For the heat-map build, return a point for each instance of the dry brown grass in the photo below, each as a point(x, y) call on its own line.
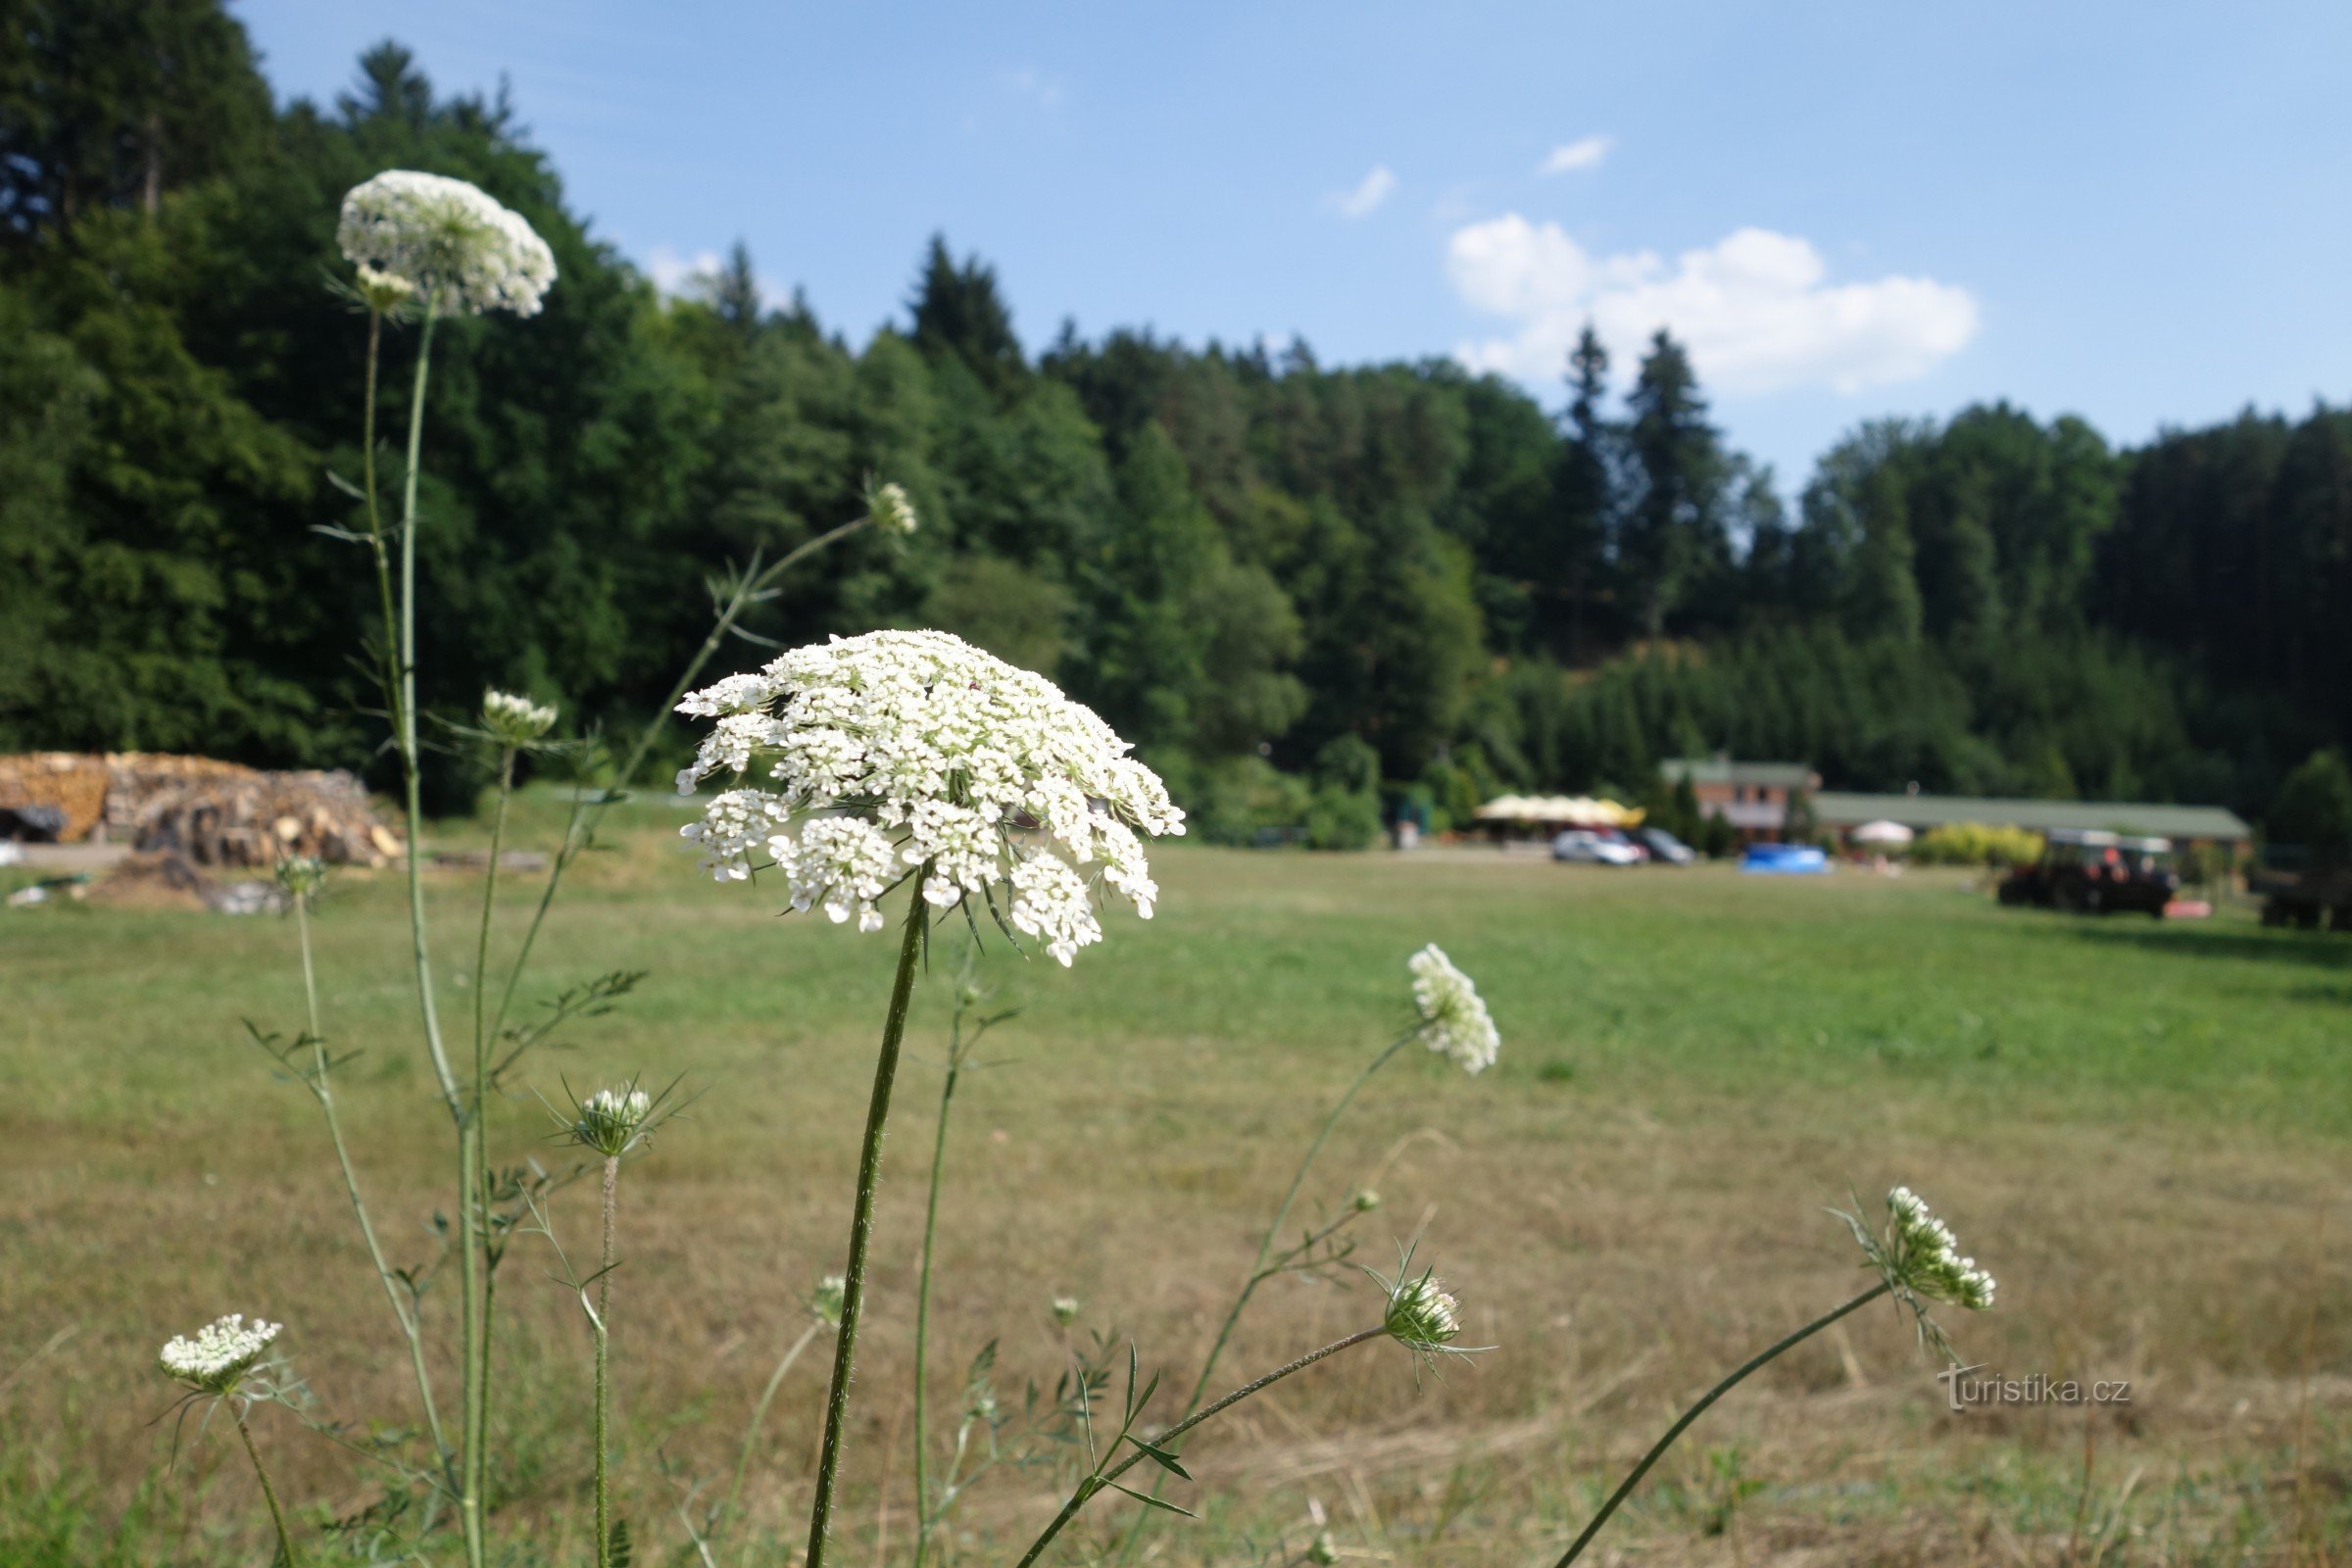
point(1621, 1236)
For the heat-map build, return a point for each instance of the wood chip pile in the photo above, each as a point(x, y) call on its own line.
point(214, 813)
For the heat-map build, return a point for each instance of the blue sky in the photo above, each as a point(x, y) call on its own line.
point(2136, 212)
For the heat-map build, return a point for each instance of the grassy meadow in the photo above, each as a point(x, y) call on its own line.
point(2140, 1128)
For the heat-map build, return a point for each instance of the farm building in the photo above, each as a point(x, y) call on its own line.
point(1752, 797)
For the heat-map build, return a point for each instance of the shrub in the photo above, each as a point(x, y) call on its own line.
point(1976, 844)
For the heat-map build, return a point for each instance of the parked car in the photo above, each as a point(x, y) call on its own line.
point(1664, 845)
point(1785, 860)
point(1594, 847)
point(2097, 873)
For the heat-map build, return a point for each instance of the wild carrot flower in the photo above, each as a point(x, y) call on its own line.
point(1920, 1255)
point(300, 877)
point(1066, 1311)
point(384, 292)
point(450, 242)
point(220, 1355)
point(610, 1120)
point(1457, 1015)
point(1421, 1314)
point(891, 512)
point(515, 720)
point(899, 750)
point(825, 1304)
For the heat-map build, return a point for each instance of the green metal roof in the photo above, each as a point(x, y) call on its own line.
point(1722, 770)
point(1838, 809)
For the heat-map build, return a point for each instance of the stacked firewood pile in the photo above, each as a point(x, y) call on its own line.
point(213, 813)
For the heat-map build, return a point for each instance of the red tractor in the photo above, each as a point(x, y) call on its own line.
point(2090, 873)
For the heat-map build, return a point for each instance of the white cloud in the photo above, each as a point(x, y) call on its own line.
point(1370, 193)
point(1585, 152)
point(1033, 83)
point(1754, 309)
point(683, 276)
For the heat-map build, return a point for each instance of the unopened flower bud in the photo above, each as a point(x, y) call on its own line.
point(891, 512)
point(610, 1119)
point(515, 720)
point(831, 1292)
point(1066, 1311)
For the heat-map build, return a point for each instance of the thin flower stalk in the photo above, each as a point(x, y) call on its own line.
point(862, 1220)
point(752, 1428)
point(602, 1321)
point(1658, 1448)
point(321, 1087)
point(1104, 1475)
point(960, 1047)
point(1260, 1272)
point(748, 588)
point(261, 1470)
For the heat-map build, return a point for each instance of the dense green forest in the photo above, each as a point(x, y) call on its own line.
point(1296, 586)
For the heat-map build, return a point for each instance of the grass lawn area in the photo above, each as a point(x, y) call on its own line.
point(2138, 1127)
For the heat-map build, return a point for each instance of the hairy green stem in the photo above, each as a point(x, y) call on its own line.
point(277, 1515)
point(751, 1432)
point(1658, 1448)
point(604, 1337)
point(861, 1219)
point(922, 1304)
point(322, 1091)
point(1103, 1476)
point(471, 1313)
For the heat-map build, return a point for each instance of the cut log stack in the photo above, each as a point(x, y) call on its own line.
point(214, 813)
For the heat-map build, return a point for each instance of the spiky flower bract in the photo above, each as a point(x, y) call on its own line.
point(454, 245)
point(1454, 1014)
point(513, 720)
point(222, 1352)
point(891, 512)
point(899, 750)
point(611, 1121)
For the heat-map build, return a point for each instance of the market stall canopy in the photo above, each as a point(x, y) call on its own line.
point(1571, 811)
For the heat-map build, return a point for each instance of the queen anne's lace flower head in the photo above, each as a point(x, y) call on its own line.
point(610, 1120)
point(826, 1304)
point(1923, 1256)
point(890, 509)
point(1921, 1262)
point(904, 750)
point(221, 1352)
point(449, 242)
point(516, 720)
point(1454, 1012)
point(1421, 1314)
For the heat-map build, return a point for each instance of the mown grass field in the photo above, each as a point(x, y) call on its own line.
point(2146, 1131)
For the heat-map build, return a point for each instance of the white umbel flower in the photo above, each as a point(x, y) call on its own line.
point(1923, 1256)
point(516, 720)
point(460, 249)
point(890, 509)
point(221, 1352)
point(897, 750)
point(1455, 1015)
